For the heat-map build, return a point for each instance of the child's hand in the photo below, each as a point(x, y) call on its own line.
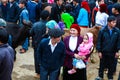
point(83, 57)
point(77, 56)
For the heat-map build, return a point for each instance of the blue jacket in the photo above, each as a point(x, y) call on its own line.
point(82, 19)
point(108, 44)
point(47, 58)
point(6, 62)
point(24, 15)
point(31, 7)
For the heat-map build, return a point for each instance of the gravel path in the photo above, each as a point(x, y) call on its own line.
point(24, 67)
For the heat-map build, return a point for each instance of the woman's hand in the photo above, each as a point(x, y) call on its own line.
point(79, 57)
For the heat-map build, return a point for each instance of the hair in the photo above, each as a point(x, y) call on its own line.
point(44, 14)
point(68, 7)
point(111, 18)
point(3, 35)
point(103, 8)
point(99, 1)
point(117, 6)
point(76, 1)
point(23, 2)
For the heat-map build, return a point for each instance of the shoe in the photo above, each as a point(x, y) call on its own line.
point(37, 76)
point(72, 71)
point(98, 78)
point(22, 50)
point(110, 79)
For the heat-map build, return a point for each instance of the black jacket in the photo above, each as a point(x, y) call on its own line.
point(108, 44)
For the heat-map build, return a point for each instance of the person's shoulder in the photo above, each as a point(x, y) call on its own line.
point(66, 38)
point(38, 23)
point(45, 40)
point(117, 29)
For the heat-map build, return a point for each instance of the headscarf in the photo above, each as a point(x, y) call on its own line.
point(85, 5)
point(77, 27)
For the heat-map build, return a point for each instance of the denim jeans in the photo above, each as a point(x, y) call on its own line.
point(45, 72)
point(25, 44)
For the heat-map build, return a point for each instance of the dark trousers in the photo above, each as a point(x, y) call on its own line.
point(107, 62)
point(36, 62)
point(79, 75)
point(48, 73)
point(119, 76)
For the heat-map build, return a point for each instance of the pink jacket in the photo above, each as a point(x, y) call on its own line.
point(50, 1)
point(84, 48)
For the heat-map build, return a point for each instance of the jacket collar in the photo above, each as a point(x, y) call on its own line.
point(3, 45)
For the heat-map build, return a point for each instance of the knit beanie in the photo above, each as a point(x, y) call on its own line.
point(52, 24)
point(76, 26)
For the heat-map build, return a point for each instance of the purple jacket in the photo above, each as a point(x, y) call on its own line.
point(6, 62)
point(69, 53)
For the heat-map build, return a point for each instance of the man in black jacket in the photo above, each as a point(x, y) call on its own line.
point(108, 46)
point(38, 32)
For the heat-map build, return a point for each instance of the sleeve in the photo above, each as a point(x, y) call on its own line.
point(25, 16)
point(80, 15)
point(18, 10)
point(99, 41)
point(63, 56)
point(86, 48)
point(32, 30)
point(118, 43)
point(39, 52)
point(1, 59)
point(78, 48)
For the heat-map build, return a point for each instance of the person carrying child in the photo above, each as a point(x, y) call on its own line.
point(84, 49)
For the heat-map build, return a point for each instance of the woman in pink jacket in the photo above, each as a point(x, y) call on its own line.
point(84, 49)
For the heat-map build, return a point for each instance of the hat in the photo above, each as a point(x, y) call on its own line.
point(55, 33)
point(52, 24)
point(90, 36)
point(76, 26)
point(2, 22)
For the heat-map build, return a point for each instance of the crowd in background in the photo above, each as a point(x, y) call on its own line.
point(46, 16)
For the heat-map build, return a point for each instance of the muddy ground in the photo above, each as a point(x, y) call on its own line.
point(24, 67)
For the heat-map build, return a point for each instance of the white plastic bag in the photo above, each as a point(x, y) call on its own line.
point(80, 64)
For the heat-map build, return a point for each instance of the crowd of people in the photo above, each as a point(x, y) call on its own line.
point(45, 21)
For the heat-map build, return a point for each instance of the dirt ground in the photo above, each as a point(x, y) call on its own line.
point(24, 67)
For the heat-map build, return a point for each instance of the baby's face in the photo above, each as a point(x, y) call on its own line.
point(85, 39)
